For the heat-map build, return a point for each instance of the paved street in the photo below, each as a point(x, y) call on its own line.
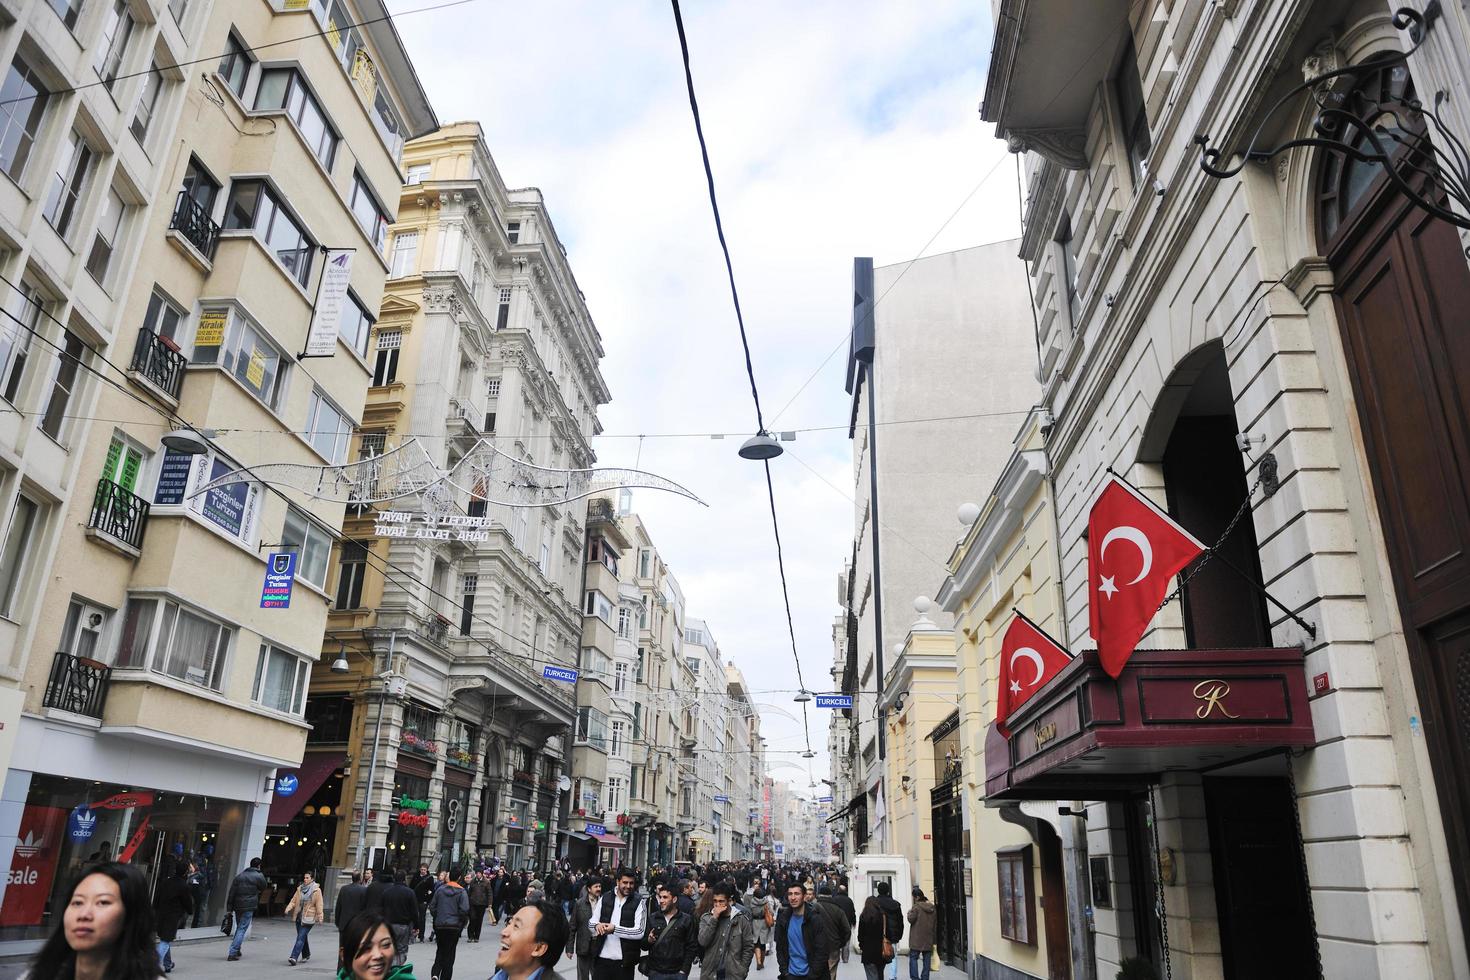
point(266, 950)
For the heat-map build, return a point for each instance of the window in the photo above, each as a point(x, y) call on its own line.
point(124, 462)
point(620, 677)
point(385, 366)
point(388, 123)
point(638, 672)
point(163, 317)
point(327, 429)
point(637, 721)
point(147, 104)
point(231, 508)
point(312, 545)
point(490, 423)
point(234, 67)
point(225, 337)
point(492, 388)
point(285, 89)
point(68, 182)
point(625, 623)
point(67, 10)
point(615, 798)
point(469, 583)
point(369, 213)
point(548, 534)
point(63, 385)
point(502, 314)
point(81, 635)
point(351, 570)
point(598, 550)
point(513, 232)
point(645, 562)
point(255, 206)
point(591, 726)
point(117, 29)
point(594, 663)
point(177, 8)
point(105, 240)
point(169, 638)
point(22, 313)
point(22, 104)
point(1128, 90)
point(199, 186)
point(23, 520)
point(597, 605)
point(618, 740)
point(405, 253)
point(1017, 908)
point(330, 718)
point(417, 174)
point(280, 680)
point(356, 325)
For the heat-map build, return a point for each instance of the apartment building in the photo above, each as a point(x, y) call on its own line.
point(446, 694)
point(746, 764)
point(174, 173)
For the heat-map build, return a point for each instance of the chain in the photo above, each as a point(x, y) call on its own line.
point(1301, 850)
point(1163, 909)
point(1204, 559)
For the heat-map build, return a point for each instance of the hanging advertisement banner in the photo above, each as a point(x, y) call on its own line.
point(280, 573)
point(33, 868)
point(331, 298)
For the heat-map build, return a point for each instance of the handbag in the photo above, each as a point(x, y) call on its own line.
point(887, 946)
point(770, 915)
point(227, 925)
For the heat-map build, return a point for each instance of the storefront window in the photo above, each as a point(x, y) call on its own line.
point(409, 822)
point(452, 827)
point(67, 823)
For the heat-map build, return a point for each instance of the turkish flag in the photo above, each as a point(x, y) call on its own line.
point(1028, 659)
point(1134, 550)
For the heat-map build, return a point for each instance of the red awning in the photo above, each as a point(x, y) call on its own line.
point(608, 840)
point(310, 775)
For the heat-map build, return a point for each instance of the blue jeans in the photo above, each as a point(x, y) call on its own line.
point(164, 959)
point(668, 976)
point(302, 949)
point(915, 957)
point(242, 926)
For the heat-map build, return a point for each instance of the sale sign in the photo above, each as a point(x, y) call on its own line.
point(33, 868)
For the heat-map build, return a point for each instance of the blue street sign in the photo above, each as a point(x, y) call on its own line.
point(722, 799)
point(286, 784)
point(824, 799)
point(834, 700)
point(564, 674)
point(280, 572)
point(596, 828)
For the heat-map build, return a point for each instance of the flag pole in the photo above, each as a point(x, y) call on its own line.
point(1032, 623)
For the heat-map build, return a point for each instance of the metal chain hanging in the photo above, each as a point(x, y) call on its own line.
point(1301, 850)
point(1209, 552)
point(1162, 907)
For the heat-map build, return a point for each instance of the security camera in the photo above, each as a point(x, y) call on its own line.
point(1244, 442)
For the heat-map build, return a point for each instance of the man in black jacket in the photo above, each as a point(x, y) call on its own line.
point(423, 886)
point(842, 901)
point(671, 940)
point(803, 943)
point(892, 910)
point(243, 899)
point(617, 931)
point(382, 881)
point(838, 924)
point(351, 899)
point(401, 909)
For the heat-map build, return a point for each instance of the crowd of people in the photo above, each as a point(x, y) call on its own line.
point(724, 917)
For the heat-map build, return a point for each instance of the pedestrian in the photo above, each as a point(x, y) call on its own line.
point(801, 937)
point(479, 891)
point(449, 910)
point(686, 898)
point(105, 930)
point(305, 909)
point(617, 931)
point(762, 910)
point(535, 890)
point(671, 940)
point(511, 896)
point(581, 927)
point(839, 929)
point(893, 913)
point(727, 936)
point(401, 909)
point(532, 943)
point(197, 891)
point(243, 899)
point(369, 950)
point(351, 900)
point(423, 886)
point(873, 938)
point(844, 902)
point(172, 903)
point(921, 936)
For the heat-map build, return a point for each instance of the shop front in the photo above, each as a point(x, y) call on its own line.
point(409, 815)
point(456, 811)
point(1179, 733)
point(305, 814)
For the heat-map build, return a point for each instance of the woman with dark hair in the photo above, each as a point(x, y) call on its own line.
point(172, 903)
point(106, 930)
point(872, 930)
point(368, 950)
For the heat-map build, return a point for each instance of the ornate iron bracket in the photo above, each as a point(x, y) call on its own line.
point(1407, 148)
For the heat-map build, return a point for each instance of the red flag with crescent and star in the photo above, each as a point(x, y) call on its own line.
point(1134, 550)
point(1028, 659)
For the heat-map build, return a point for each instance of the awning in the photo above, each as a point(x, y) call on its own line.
point(576, 834)
point(608, 840)
point(309, 776)
point(1086, 736)
point(841, 812)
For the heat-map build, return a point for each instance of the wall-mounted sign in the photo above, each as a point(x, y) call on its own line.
point(287, 783)
point(412, 812)
point(824, 799)
point(211, 329)
point(331, 297)
point(598, 829)
point(280, 572)
point(721, 798)
point(564, 674)
point(834, 700)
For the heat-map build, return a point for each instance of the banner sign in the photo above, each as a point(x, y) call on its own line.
point(432, 527)
point(280, 572)
point(564, 674)
point(721, 798)
point(597, 829)
point(824, 799)
point(33, 867)
point(287, 783)
point(331, 297)
point(834, 700)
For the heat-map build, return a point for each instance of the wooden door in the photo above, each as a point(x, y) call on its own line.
point(1403, 292)
point(1054, 907)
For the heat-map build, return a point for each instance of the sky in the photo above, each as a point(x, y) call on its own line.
point(835, 129)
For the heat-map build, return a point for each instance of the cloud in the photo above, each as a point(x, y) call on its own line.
point(835, 129)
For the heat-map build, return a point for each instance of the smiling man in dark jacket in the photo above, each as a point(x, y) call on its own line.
point(803, 937)
point(670, 941)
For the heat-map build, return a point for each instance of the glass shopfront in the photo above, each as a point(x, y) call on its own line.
point(452, 827)
point(408, 822)
point(70, 822)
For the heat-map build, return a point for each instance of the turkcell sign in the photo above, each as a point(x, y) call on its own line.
point(722, 799)
point(834, 700)
point(564, 674)
point(280, 572)
point(596, 829)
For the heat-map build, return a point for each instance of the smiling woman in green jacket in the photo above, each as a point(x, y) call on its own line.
point(367, 951)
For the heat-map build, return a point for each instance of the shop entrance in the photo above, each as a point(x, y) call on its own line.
point(1266, 925)
point(951, 928)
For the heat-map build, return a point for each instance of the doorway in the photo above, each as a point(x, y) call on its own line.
point(951, 929)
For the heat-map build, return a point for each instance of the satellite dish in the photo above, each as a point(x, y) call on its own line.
point(564, 784)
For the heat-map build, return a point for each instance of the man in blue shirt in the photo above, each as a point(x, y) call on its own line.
point(802, 938)
point(531, 943)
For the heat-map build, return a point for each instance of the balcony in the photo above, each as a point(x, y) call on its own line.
point(461, 421)
point(460, 756)
point(77, 685)
point(119, 516)
point(157, 361)
point(195, 225)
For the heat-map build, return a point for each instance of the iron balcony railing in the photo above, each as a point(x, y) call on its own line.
point(77, 684)
point(194, 223)
point(156, 359)
point(118, 513)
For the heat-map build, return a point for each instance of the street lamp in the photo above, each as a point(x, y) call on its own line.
point(802, 696)
point(394, 685)
point(761, 446)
